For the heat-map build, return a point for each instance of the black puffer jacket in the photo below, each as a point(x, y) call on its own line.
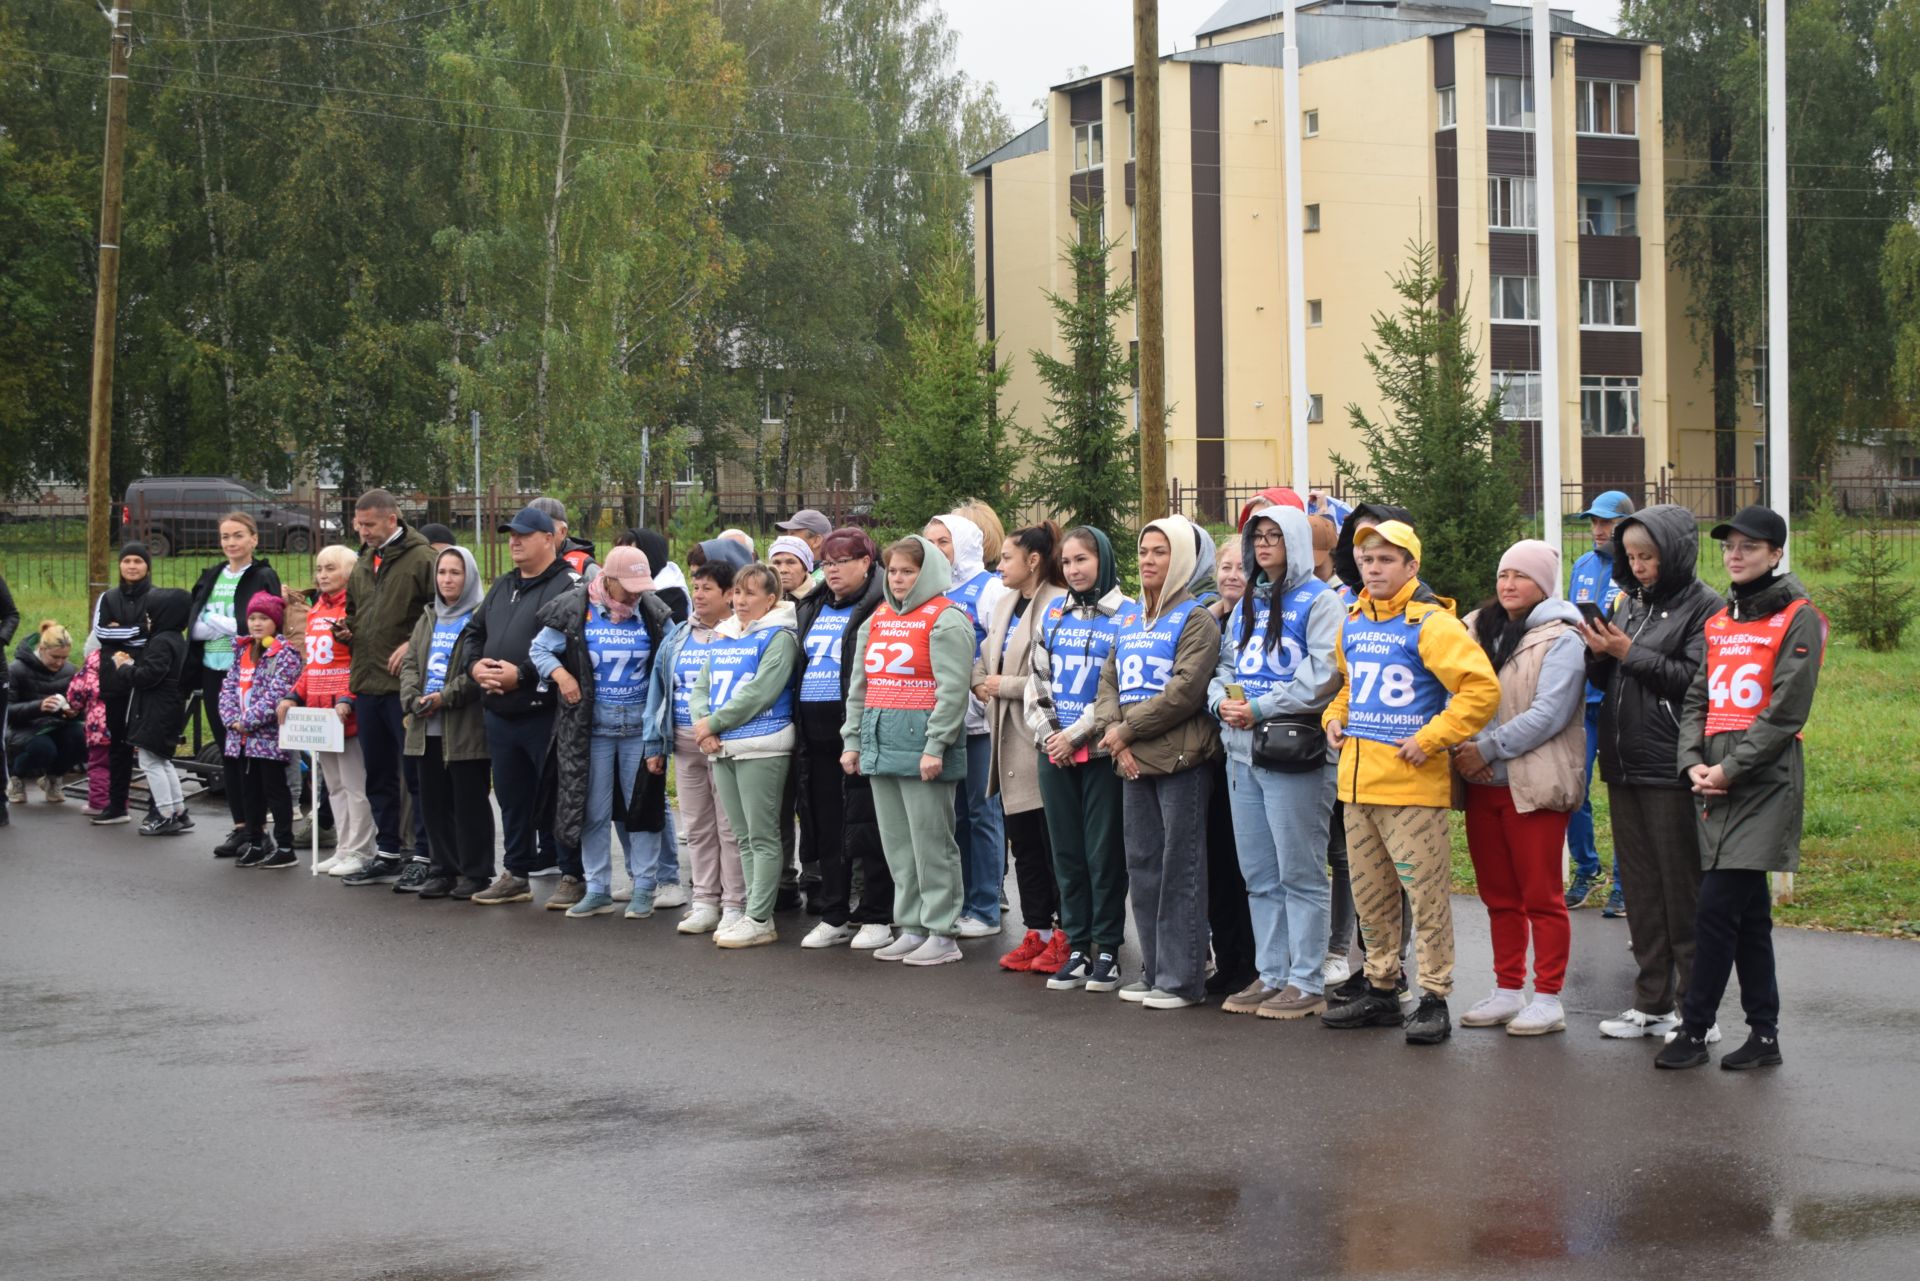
point(29, 683)
point(1646, 690)
point(159, 707)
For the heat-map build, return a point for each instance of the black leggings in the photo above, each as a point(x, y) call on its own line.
point(266, 794)
point(233, 769)
point(1033, 869)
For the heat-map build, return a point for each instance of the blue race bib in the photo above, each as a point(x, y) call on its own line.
point(446, 632)
point(820, 683)
point(686, 669)
point(1390, 693)
point(967, 597)
point(1145, 654)
point(1079, 648)
point(732, 662)
point(622, 658)
point(1262, 669)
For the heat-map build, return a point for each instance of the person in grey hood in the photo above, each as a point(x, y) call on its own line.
point(1276, 666)
point(1644, 659)
point(447, 734)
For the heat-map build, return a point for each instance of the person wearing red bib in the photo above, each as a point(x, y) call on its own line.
point(323, 684)
point(906, 731)
point(1740, 751)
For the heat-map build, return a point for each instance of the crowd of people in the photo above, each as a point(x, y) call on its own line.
point(1256, 747)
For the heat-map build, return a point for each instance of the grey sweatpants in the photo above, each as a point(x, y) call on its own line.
point(1164, 822)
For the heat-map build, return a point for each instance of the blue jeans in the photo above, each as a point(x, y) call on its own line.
point(1580, 844)
point(615, 758)
point(980, 830)
point(1280, 827)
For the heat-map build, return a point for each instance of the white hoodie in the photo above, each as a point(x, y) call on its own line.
point(969, 559)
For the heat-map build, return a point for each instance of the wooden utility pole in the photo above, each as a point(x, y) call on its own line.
point(1149, 299)
point(100, 411)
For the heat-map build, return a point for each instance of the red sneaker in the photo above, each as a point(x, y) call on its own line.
point(1054, 959)
point(1022, 957)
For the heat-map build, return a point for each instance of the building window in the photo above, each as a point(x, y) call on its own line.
point(773, 407)
point(1519, 396)
point(1314, 413)
point(1094, 226)
point(1313, 313)
point(1509, 102)
point(1516, 298)
point(1312, 218)
point(687, 475)
point(1609, 406)
point(1449, 115)
point(1607, 107)
point(1089, 147)
point(1609, 304)
point(1312, 124)
point(1510, 204)
point(1609, 211)
point(1759, 377)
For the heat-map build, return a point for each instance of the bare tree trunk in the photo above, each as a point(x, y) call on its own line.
point(543, 371)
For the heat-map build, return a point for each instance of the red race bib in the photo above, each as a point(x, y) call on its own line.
point(899, 658)
point(1740, 662)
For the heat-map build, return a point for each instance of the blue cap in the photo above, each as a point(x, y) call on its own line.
point(529, 520)
point(1611, 505)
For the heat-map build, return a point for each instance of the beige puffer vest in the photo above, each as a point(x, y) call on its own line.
point(1550, 776)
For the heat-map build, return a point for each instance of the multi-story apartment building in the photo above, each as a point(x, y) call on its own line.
point(1416, 124)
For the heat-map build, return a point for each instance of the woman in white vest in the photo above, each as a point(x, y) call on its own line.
point(1524, 776)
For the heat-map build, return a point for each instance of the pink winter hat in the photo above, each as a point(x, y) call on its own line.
point(270, 605)
point(1536, 560)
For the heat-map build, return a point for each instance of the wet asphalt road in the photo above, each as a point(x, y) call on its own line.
point(217, 1074)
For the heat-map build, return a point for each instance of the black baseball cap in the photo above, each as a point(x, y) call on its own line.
point(1764, 523)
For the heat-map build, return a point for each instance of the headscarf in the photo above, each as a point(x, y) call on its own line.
point(470, 591)
point(1109, 576)
point(969, 546)
point(794, 547)
point(1202, 584)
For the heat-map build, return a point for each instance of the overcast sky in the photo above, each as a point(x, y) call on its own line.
point(1024, 46)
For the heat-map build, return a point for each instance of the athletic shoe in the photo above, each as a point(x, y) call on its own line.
point(1104, 974)
point(824, 935)
point(1759, 1051)
point(1629, 1024)
point(153, 825)
point(16, 791)
point(728, 928)
point(326, 865)
point(381, 870)
point(345, 865)
point(1351, 988)
point(1683, 1051)
point(1502, 1006)
point(1135, 992)
point(639, 906)
point(1071, 975)
point(1291, 1003)
point(570, 890)
point(1430, 1023)
point(937, 950)
point(972, 927)
point(1374, 1008)
point(438, 887)
point(415, 874)
point(231, 847)
point(1543, 1014)
point(1712, 1037)
point(543, 872)
point(506, 888)
point(1054, 957)
point(184, 820)
point(279, 857)
point(253, 853)
point(872, 937)
point(50, 789)
point(669, 896)
point(591, 904)
point(467, 888)
point(1249, 998)
point(1335, 970)
point(701, 918)
point(1616, 903)
point(732, 916)
point(748, 933)
point(901, 948)
point(1158, 1000)
point(1580, 892)
point(110, 817)
point(1021, 959)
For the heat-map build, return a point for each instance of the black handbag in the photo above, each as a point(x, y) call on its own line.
point(1290, 744)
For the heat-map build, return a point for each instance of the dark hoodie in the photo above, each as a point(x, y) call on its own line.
point(1644, 692)
point(504, 627)
point(654, 545)
point(159, 707)
point(1345, 567)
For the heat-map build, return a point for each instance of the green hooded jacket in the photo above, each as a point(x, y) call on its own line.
point(890, 740)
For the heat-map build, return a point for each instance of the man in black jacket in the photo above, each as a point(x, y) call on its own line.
point(517, 704)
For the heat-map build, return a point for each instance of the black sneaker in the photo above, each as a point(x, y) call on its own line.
point(384, 870)
point(279, 856)
point(234, 845)
point(1685, 1050)
point(183, 821)
point(416, 873)
point(1104, 974)
point(251, 853)
point(171, 825)
point(1759, 1051)
point(1071, 975)
point(787, 899)
point(153, 826)
point(468, 888)
point(436, 887)
point(1374, 1008)
point(1352, 988)
point(110, 817)
point(1431, 1022)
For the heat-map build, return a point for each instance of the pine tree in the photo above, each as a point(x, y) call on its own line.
point(1875, 606)
point(1086, 455)
point(1437, 448)
point(946, 440)
point(1825, 528)
point(695, 519)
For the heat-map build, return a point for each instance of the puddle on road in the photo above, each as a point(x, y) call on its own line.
point(38, 1016)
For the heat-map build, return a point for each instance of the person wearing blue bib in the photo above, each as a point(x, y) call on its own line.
point(1276, 661)
point(447, 735)
point(597, 645)
point(1592, 580)
point(1153, 700)
point(742, 708)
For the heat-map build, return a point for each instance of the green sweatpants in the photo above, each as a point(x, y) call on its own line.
point(916, 833)
point(751, 791)
point(1082, 806)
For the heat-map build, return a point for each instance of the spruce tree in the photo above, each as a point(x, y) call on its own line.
point(1874, 606)
point(1437, 447)
point(1086, 455)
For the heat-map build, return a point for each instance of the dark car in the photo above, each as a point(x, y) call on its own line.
point(182, 513)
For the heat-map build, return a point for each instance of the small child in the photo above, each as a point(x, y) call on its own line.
point(158, 707)
point(263, 673)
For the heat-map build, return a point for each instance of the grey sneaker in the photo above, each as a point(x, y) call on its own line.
point(412, 876)
point(1250, 998)
point(1291, 1003)
point(1136, 991)
point(506, 888)
point(569, 891)
point(50, 789)
point(592, 905)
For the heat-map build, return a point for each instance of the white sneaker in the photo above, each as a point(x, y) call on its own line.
point(1543, 1015)
point(16, 791)
point(622, 895)
point(701, 918)
point(1713, 1035)
point(732, 916)
point(348, 866)
point(900, 948)
point(50, 788)
point(1336, 970)
point(325, 865)
point(1503, 1006)
point(1166, 1001)
point(746, 933)
point(937, 950)
point(1632, 1023)
point(871, 938)
point(674, 895)
point(972, 927)
point(824, 935)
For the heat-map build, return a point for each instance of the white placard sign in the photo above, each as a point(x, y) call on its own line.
point(312, 729)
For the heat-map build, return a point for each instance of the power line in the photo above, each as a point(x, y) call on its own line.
point(280, 34)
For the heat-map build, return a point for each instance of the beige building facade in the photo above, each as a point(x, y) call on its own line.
point(1416, 125)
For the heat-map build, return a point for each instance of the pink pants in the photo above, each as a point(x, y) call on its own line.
point(98, 782)
point(1516, 861)
point(711, 849)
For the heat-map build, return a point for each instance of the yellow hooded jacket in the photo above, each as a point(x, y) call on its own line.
point(1372, 773)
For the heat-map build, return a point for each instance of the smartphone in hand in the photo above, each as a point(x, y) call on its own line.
point(1591, 613)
